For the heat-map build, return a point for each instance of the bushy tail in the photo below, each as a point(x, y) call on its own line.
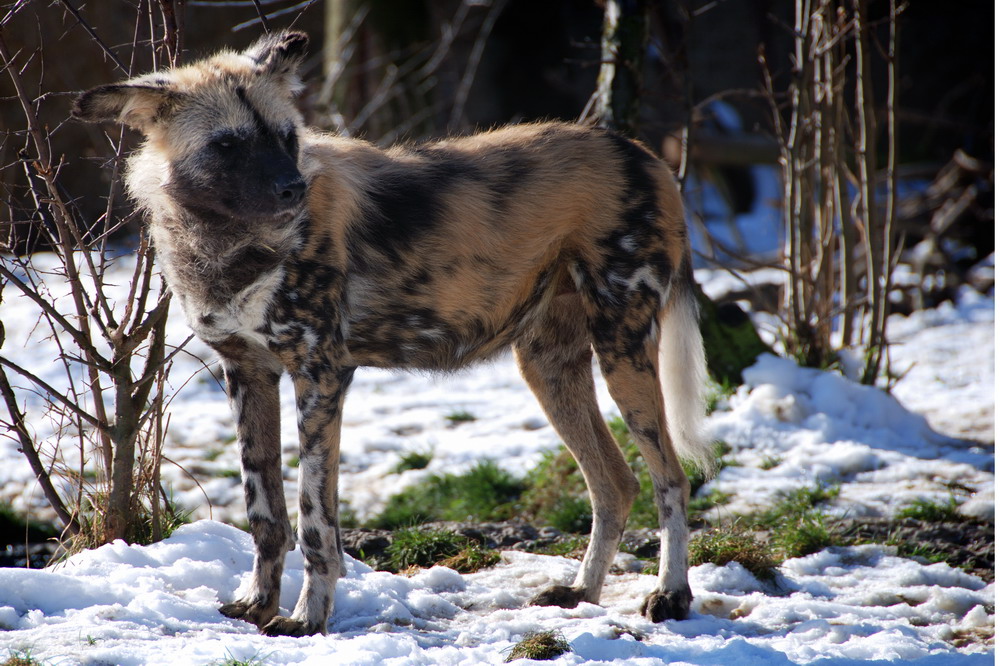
point(683, 376)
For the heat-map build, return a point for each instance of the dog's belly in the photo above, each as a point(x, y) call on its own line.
point(420, 342)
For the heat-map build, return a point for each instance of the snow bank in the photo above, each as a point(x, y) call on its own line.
point(818, 427)
point(158, 605)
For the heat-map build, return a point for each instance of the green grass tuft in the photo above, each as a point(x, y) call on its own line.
point(570, 513)
point(556, 494)
point(20, 658)
point(539, 646)
point(484, 493)
point(471, 559)
point(212, 454)
point(413, 460)
point(770, 462)
point(707, 502)
point(423, 548)
point(573, 547)
point(920, 551)
point(460, 416)
point(718, 395)
point(931, 511)
point(734, 544)
point(257, 659)
point(792, 505)
point(802, 535)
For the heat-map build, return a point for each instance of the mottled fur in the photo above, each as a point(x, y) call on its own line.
point(296, 251)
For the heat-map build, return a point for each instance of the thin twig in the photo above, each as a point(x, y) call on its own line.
point(472, 65)
point(260, 14)
point(93, 35)
point(27, 447)
point(50, 390)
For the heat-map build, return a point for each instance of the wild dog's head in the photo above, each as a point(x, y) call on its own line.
point(222, 134)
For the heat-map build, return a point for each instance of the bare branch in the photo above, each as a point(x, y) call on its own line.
point(260, 14)
point(45, 386)
point(93, 35)
point(472, 65)
point(27, 447)
point(81, 339)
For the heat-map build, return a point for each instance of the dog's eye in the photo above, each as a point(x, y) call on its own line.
point(225, 142)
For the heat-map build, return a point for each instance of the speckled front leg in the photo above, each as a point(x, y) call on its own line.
point(320, 396)
point(252, 376)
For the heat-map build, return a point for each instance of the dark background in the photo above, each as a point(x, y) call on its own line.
point(540, 61)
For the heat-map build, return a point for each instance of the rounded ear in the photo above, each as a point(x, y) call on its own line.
point(280, 52)
point(138, 105)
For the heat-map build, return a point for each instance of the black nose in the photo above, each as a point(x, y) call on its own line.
point(290, 192)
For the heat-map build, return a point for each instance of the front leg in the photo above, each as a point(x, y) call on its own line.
point(320, 390)
point(252, 377)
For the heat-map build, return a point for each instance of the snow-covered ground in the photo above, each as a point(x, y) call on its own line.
point(157, 604)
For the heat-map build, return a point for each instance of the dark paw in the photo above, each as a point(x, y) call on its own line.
point(558, 595)
point(248, 612)
point(672, 605)
point(286, 626)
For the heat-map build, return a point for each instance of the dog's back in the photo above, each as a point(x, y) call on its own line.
point(450, 248)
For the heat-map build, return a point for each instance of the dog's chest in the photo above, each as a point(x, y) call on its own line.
point(217, 309)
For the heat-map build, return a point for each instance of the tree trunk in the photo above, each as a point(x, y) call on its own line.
point(731, 341)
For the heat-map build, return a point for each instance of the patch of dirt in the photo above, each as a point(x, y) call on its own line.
point(967, 545)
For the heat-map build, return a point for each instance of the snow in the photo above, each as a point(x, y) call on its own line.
point(156, 604)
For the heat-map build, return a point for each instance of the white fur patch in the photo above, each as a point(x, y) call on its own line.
point(244, 315)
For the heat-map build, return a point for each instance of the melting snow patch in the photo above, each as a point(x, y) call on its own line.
point(158, 605)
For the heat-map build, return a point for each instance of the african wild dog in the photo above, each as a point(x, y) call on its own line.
point(296, 251)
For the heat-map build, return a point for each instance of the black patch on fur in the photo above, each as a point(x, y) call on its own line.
point(269, 539)
point(237, 175)
point(250, 492)
point(408, 203)
point(516, 170)
point(249, 265)
point(305, 505)
point(311, 539)
point(260, 125)
point(634, 245)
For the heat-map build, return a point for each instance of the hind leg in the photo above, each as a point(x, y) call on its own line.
point(555, 360)
point(630, 367)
